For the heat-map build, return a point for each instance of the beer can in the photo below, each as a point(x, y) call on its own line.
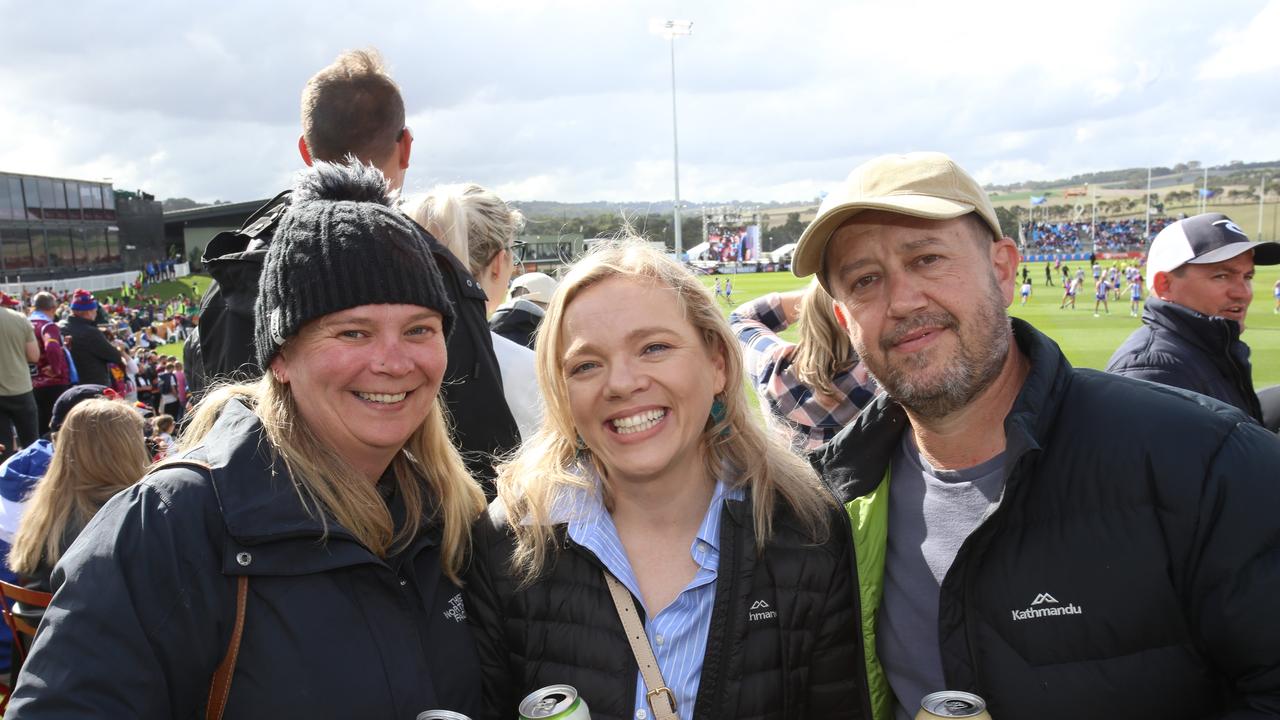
point(441, 715)
point(554, 702)
point(953, 704)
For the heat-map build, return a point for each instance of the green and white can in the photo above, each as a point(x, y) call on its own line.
point(441, 715)
point(554, 702)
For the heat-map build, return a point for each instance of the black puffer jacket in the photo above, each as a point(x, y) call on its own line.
point(564, 628)
point(1180, 347)
point(1156, 521)
point(146, 605)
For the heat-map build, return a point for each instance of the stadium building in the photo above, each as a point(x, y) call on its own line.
point(53, 228)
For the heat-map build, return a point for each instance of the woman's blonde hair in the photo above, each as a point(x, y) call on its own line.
point(330, 488)
point(99, 451)
point(470, 220)
point(550, 462)
point(824, 350)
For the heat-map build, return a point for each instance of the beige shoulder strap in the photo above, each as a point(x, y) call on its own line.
point(661, 700)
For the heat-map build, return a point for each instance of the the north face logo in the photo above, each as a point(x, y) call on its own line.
point(457, 612)
point(1033, 612)
point(760, 610)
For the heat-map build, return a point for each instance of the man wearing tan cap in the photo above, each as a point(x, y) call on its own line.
point(1009, 544)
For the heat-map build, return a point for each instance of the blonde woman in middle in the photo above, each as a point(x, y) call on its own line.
point(651, 469)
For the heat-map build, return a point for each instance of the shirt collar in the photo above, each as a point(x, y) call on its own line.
point(582, 509)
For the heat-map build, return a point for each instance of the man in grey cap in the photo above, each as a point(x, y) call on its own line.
point(1008, 544)
point(1200, 280)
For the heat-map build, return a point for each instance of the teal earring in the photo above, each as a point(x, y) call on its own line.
point(719, 412)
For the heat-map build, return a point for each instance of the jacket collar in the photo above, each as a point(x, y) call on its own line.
point(1209, 333)
point(854, 462)
point(256, 495)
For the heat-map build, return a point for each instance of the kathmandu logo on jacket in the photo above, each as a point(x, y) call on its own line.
point(760, 610)
point(456, 612)
point(1048, 606)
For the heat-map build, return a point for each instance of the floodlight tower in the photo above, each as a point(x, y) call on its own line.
point(671, 29)
point(1146, 237)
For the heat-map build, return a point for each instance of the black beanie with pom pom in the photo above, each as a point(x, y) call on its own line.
point(341, 245)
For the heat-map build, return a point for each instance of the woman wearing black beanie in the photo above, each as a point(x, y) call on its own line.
point(301, 559)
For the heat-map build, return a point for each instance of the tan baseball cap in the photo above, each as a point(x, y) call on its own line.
point(926, 185)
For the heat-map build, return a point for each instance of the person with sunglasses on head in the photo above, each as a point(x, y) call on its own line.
point(482, 231)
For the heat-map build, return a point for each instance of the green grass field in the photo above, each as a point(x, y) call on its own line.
point(1087, 341)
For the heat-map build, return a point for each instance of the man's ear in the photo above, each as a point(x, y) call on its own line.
point(1004, 263)
point(1160, 284)
point(304, 151)
point(405, 148)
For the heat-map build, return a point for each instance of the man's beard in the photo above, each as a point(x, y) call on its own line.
point(979, 357)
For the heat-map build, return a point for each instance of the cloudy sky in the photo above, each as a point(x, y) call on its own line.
point(570, 99)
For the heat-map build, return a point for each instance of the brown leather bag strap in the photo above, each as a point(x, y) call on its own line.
point(220, 688)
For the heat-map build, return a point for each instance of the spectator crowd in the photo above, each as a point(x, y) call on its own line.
point(1127, 235)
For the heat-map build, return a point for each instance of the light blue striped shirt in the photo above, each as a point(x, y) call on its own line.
point(678, 634)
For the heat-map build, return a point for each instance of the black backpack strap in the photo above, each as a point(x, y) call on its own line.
point(257, 227)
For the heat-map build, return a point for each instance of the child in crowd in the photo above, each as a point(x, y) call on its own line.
point(167, 444)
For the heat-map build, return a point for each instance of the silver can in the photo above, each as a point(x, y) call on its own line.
point(554, 702)
point(953, 704)
point(441, 715)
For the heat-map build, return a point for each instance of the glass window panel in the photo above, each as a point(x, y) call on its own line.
point(15, 198)
point(73, 195)
point(15, 251)
point(109, 251)
point(6, 210)
point(39, 259)
point(32, 198)
point(46, 193)
point(80, 240)
point(59, 194)
point(108, 203)
point(89, 197)
point(58, 245)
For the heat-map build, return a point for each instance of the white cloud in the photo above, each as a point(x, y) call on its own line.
point(1246, 51)
point(570, 99)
